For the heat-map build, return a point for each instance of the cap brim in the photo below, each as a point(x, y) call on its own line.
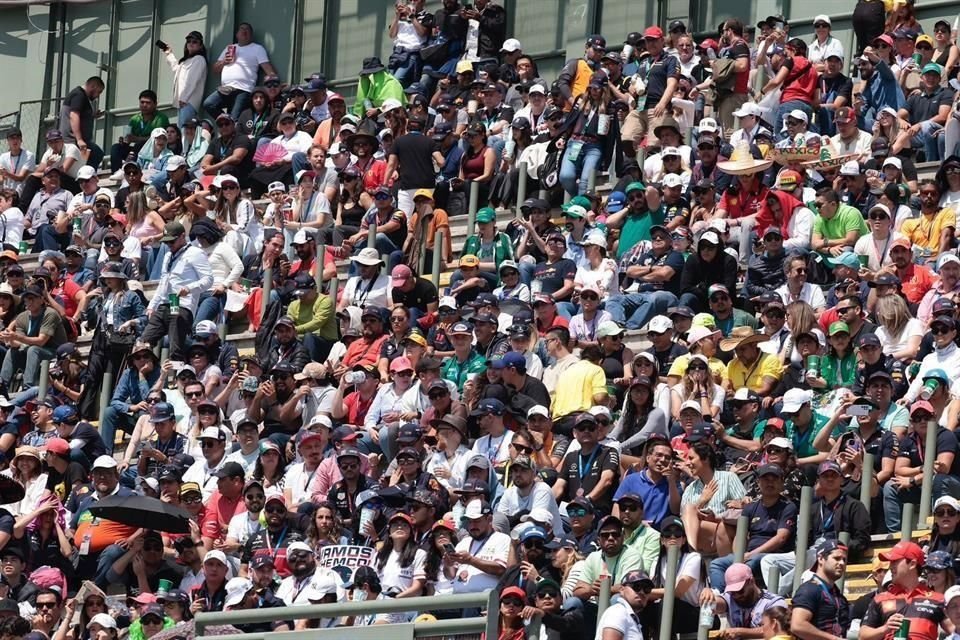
point(733, 587)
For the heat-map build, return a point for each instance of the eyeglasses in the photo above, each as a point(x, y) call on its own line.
point(349, 466)
point(407, 460)
point(275, 510)
point(939, 330)
point(609, 534)
point(193, 500)
point(586, 428)
point(944, 513)
point(557, 241)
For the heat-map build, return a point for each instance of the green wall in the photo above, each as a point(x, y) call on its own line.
point(114, 39)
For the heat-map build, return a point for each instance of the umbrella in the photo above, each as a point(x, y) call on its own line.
point(270, 152)
point(10, 490)
point(513, 306)
point(143, 511)
point(188, 631)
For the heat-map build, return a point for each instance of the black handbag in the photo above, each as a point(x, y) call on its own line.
point(549, 171)
point(435, 53)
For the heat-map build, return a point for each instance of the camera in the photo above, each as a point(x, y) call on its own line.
point(56, 373)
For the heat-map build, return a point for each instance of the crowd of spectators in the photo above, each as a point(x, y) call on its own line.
point(766, 232)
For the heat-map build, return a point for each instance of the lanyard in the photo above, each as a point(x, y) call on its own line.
point(826, 521)
point(275, 549)
point(494, 451)
point(473, 551)
point(306, 210)
point(583, 471)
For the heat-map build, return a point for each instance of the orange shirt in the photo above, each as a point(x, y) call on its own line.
point(364, 351)
point(102, 532)
point(916, 281)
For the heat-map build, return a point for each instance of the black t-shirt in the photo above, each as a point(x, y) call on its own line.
point(672, 259)
point(679, 209)
point(516, 232)
point(61, 484)
point(536, 391)
point(452, 25)
point(764, 522)
point(882, 444)
point(6, 522)
point(422, 294)
point(582, 473)
point(167, 571)
point(830, 609)
point(220, 149)
point(273, 544)
point(835, 87)
point(665, 358)
point(922, 107)
point(551, 276)
point(121, 199)
point(415, 162)
point(78, 102)
point(93, 446)
point(911, 447)
point(656, 73)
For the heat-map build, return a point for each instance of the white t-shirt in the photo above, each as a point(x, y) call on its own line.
point(398, 578)
point(810, 294)
point(70, 150)
point(540, 497)
point(297, 479)
point(914, 328)
point(689, 568)
point(242, 527)
point(407, 36)
point(131, 249)
point(11, 226)
point(603, 278)
point(496, 449)
point(24, 160)
point(621, 617)
point(242, 72)
point(949, 199)
point(294, 593)
point(246, 460)
point(82, 198)
point(364, 294)
point(469, 579)
point(867, 246)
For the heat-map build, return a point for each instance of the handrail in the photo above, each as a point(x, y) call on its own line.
point(340, 609)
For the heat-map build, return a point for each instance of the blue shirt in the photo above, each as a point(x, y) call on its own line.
point(882, 89)
point(656, 497)
point(131, 389)
point(764, 522)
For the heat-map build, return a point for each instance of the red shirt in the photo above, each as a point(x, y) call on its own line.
point(923, 607)
point(357, 408)
point(374, 176)
point(743, 204)
point(363, 351)
point(311, 265)
point(801, 81)
point(220, 510)
point(915, 281)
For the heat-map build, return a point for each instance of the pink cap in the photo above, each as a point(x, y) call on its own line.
point(736, 576)
point(400, 274)
point(401, 364)
point(145, 598)
point(922, 405)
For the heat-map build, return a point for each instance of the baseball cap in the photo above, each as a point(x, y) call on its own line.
point(904, 550)
point(736, 577)
point(828, 466)
point(104, 462)
point(795, 398)
point(748, 109)
point(659, 324)
point(477, 509)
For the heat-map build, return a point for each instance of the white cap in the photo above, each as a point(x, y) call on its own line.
point(298, 546)
point(691, 404)
point(646, 355)
point(822, 18)
point(783, 443)
point(708, 124)
point(321, 585)
point(222, 178)
point(216, 554)
point(301, 237)
point(748, 109)
point(105, 620)
point(799, 114)
point(598, 410)
point(320, 419)
point(85, 173)
point(149, 481)
point(946, 258)
point(700, 358)
point(742, 395)
point(795, 398)
point(390, 104)
point(948, 595)
point(300, 174)
point(276, 186)
point(711, 237)
point(537, 88)
point(175, 162)
point(511, 45)
point(538, 514)
point(448, 302)
point(893, 161)
point(671, 180)
point(950, 501)
point(851, 168)
point(670, 151)
point(387, 131)
point(237, 588)
point(730, 251)
point(475, 509)
point(538, 410)
point(205, 327)
point(659, 324)
point(212, 433)
point(336, 149)
point(104, 462)
point(186, 367)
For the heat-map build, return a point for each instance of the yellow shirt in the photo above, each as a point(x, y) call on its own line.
point(926, 230)
point(716, 366)
point(768, 367)
point(576, 388)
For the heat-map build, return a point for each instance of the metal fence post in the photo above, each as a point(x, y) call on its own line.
point(740, 541)
point(438, 244)
point(372, 235)
point(803, 534)
point(472, 206)
point(866, 480)
point(493, 614)
point(926, 487)
point(265, 291)
point(106, 393)
point(521, 184)
point(567, 197)
point(906, 524)
point(603, 598)
point(773, 580)
point(844, 539)
point(321, 259)
point(592, 181)
point(669, 592)
point(44, 383)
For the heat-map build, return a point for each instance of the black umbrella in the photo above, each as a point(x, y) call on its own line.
point(10, 490)
point(143, 511)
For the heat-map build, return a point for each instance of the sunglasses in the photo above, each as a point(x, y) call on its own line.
point(151, 620)
point(775, 315)
point(208, 444)
point(775, 450)
point(921, 417)
point(533, 544)
point(939, 330)
point(512, 602)
point(589, 296)
point(102, 205)
point(523, 449)
point(610, 534)
point(407, 460)
point(403, 374)
point(132, 172)
point(879, 216)
point(553, 595)
point(194, 394)
point(350, 466)
point(230, 187)
point(46, 605)
point(697, 367)
point(944, 513)
point(800, 272)
point(193, 500)
point(719, 297)
point(577, 513)
point(845, 309)
point(254, 496)
point(587, 428)
point(275, 510)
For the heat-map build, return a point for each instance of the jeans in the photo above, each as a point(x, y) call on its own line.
point(299, 162)
point(719, 565)
point(894, 498)
point(49, 240)
point(932, 145)
point(787, 107)
point(745, 236)
point(185, 113)
point(527, 269)
point(156, 270)
point(110, 421)
point(318, 347)
point(28, 360)
point(209, 307)
point(634, 310)
point(693, 301)
point(163, 323)
point(587, 160)
point(236, 102)
point(566, 310)
point(405, 66)
point(120, 152)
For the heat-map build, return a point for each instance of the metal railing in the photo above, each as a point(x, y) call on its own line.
point(458, 627)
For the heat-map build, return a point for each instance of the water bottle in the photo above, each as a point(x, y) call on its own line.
point(706, 615)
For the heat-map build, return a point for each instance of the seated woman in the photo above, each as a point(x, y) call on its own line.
point(838, 368)
point(699, 386)
point(702, 511)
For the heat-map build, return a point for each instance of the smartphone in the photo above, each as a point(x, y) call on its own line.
point(448, 548)
point(161, 45)
point(859, 410)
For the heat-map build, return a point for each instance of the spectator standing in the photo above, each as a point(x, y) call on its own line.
point(238, 66)
point(411, 157)
point(189, 76)
point(139, 130)
point(409, 35)
point(76, 119)
point(737, 52)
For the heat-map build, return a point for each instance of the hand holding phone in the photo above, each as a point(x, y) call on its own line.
point(161, 45)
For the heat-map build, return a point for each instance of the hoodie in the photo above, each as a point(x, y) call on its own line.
point(699, 275)
point(796, 223)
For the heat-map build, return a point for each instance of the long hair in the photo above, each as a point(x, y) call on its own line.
point(800, 317)
point(406, 554)
point(313, 534)
point(575, 557)
point(892, 314)
point(634, 417)
point(202, 51)
point(281, 468)
point(136, 209)
point(780, 615)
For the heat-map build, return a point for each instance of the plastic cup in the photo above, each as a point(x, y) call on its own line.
point(864, 261)
point(813, 363)
point(246, 284)
point(603, 124)
point(24, 247)
point(164, 586)
point(929, 388)
point(174, 300)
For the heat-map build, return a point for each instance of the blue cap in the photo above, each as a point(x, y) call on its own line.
point(162, 412)
point(533, 532)
point(64, 412)
point(315, 84)
point(616, 202)
point(937, 374)
point(510, 359)
point(488, 406)
point(565, 541)
point(846, 259)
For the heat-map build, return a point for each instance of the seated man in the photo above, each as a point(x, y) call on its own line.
point(36, 334)
point(651, 284)
point(837, 226)
point(926, 113)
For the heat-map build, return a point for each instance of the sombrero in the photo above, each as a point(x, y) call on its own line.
point(828, 161)
point(742, 335)
point(742, 162)
point(801, 154)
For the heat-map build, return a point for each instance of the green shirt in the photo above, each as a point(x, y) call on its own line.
point(502, 248)
point(803, 442)
point(846, 219)
point(318, 318)
point(643, 547)
point(142, 129)
point(637, 227)
point(738, 318)
point(457, 372)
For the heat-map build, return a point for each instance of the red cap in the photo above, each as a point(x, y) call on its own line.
point(922, 405)
point(653, 32)
point(904, 550)
point(515, 592)
point(58, 446)
point(884, 38)
point(901, 242)
point(406, 517)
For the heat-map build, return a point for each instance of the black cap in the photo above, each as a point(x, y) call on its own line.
point(597, 41)
point(880, 375)
point(681, 310)
point(769, 469)
point(869, 339)
point(885, 280)
point(230, 470)
point(677, 25)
